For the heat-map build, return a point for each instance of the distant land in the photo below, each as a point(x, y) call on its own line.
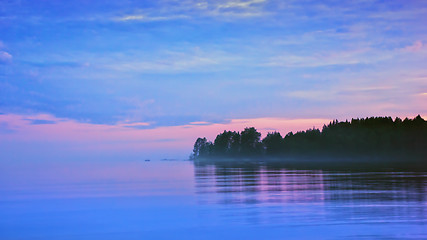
point(366, 139)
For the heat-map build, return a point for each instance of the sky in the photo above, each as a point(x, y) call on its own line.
point(145, 78)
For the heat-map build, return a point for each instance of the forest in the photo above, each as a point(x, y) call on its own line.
point(373, 136)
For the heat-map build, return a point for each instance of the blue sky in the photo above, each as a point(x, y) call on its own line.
point(170, 63)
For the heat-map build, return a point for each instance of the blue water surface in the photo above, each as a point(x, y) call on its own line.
point(186, 200)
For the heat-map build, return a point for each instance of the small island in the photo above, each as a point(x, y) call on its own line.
point(366, 139)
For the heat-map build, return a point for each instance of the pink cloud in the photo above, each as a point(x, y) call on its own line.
point(116, 138)
point(5, 57)
point(415, 47)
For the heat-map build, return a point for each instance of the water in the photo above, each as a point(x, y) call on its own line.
point(183, 200)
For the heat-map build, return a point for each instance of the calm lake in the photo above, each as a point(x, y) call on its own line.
point(186, 200)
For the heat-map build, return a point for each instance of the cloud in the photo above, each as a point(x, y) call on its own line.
point(353, 94)
point(75, 136)
point(191, 9)
point(322, 58)
point(63, 64)
point(5, 57)
point(400, 15)
point(415, 47)
point(145, 18)
point(5, 128)
point(167, 65)
point(349, 57)
point(239, 4)
point(234, 9)
point(193, 60)
point(315, 95)
point(200, 123)
point(40, 121)
point(137, 125)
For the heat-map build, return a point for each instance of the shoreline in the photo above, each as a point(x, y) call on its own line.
point(366, 162)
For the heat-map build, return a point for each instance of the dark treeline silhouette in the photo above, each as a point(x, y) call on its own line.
point(374, 136)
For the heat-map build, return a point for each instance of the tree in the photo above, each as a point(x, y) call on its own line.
point(250, 141)
point(358, 137)
point(235, 144)
point(202, 148)
point(273, 143)
point(227, 143)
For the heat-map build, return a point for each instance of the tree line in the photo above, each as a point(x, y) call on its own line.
point(364, 136)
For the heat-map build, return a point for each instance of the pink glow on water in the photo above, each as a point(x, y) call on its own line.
point(96, 179)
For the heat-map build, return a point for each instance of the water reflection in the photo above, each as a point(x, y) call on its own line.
point(186, 200)
point(259, 184)
point(279, 195)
